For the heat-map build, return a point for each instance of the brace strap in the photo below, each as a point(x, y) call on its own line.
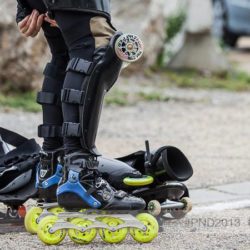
point(47, 98)
point(80, 65)
point(70, 129)
point(49, 131)
point(72, 96)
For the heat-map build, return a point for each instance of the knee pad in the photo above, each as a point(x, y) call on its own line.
point(100, 7)
point(99, 76)
point(50, 95)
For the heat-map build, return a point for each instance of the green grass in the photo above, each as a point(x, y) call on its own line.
point(24, 101)
point(232, 81)
point(156, 80)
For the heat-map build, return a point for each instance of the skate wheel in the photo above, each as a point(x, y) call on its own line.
point(44, 233)
point(31, 219)
point(138, 182)
point(56, 210)
point(152, 229)
point(115, 236)
point(129, 48)
point(181, 213)
point(154, 208)
point(82, 237)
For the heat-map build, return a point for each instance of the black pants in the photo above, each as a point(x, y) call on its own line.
point(79, 35)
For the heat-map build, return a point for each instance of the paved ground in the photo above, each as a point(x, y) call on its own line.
point(212, 128)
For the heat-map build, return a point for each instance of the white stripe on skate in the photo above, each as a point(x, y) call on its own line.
point(221, 206)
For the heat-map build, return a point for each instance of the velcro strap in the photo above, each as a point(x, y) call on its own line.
point(80, 65)
point(72, 96)
point(47, 98)
point(54, 72)
point(49, 131)
point(70, 129)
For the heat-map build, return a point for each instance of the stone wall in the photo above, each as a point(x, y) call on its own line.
point(22, 59)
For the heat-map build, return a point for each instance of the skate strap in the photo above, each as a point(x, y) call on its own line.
point(71, 129)
point(48, 98)
point(23, 146)
point(12, 138)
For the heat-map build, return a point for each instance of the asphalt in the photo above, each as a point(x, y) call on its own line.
point(214, 134)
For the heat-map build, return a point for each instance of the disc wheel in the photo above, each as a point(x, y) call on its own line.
point(151, 232)
point(44, 233)
point(181, 213)
point(82, 237)
point(116, 236)
point(31, 219)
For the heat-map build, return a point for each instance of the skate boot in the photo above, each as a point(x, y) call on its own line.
point(48, 176)
point(92, 205)
point(17, 174)
point(168, 168)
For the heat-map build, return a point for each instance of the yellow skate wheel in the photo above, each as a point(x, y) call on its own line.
point(82, 237)
point(56, 210)
point(116, 236)
point(31, 219)
point(151, 225)
point(44, 233)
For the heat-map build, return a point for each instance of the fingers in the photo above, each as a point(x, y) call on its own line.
point(23, 23)
point(39, 23)
point(26, 27)
point(52, 22)
point(31, 25)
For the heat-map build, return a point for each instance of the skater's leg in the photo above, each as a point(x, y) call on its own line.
point(49, 97)
point(92, 70)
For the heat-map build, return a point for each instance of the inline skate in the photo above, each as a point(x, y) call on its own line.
point(18, 160)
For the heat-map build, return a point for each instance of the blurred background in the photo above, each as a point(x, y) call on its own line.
point(188, 43)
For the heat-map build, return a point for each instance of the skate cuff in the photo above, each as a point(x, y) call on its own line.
point(72, 96)
point(49, 131)
point(70, 129)
point(80, 65)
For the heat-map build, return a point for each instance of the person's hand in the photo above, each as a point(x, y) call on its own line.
point(52, 22)
point(31, 25)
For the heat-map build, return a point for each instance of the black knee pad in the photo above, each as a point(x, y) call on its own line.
point(99, 76)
